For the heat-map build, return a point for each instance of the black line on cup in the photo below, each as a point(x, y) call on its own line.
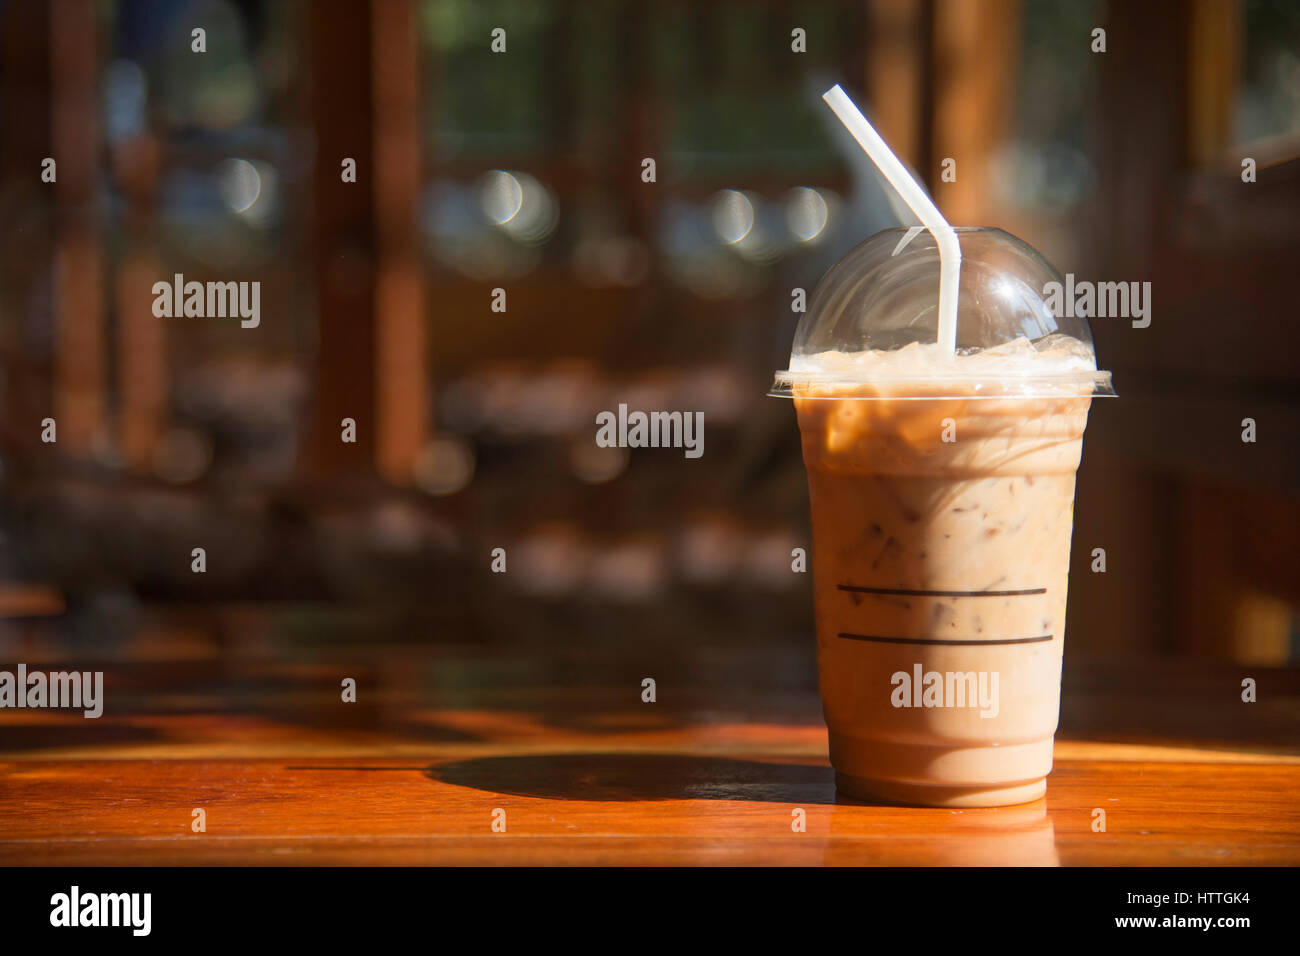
point(945, 642)
point(907, 592)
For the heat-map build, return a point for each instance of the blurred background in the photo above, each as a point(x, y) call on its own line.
point(521, 170)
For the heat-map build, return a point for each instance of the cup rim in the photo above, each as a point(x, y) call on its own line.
point(1080, 384)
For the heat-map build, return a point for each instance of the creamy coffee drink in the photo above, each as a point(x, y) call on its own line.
point(942, 503)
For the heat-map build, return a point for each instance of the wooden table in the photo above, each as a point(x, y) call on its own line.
point(417, 769)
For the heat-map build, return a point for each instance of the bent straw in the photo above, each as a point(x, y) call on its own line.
point(912, 194)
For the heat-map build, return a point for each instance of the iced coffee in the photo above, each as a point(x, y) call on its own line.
point(941, 489)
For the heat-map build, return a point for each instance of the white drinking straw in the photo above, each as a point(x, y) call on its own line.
point(912, 194)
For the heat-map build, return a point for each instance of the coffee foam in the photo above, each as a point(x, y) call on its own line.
point(1053, 355)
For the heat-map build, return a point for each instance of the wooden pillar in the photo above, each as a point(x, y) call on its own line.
point(402, 380)
point(81, 356)
point(342, 232)
point(976, 58)
point(1216, 52)
point(1142, 138)
point(896, 61)
point(26, 240)
point(637, 126)
point(141, 360)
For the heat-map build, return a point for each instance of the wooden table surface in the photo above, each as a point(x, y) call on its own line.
point(711, 773)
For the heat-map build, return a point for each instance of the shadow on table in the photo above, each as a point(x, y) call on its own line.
point(626, 777)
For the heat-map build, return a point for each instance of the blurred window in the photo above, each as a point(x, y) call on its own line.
point(485, 104)
point(534, 155)
point(1268, 98)
point(1047, 164)
point(203, 166)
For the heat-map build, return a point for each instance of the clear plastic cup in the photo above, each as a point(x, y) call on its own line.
point(942, 495)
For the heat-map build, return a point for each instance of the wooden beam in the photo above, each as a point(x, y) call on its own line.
point(26, 246)
point(81, 374)
point(976, 52)
point(1213, 77)
point(342, 232)
point(895, 74)
point(402, 376)
point(141, 360)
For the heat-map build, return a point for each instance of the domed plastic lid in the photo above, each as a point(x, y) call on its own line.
point(872, 325)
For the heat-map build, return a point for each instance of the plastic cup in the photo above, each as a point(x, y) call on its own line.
point(941, 489)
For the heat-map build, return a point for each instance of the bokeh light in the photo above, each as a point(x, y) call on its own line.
point(445, 465)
